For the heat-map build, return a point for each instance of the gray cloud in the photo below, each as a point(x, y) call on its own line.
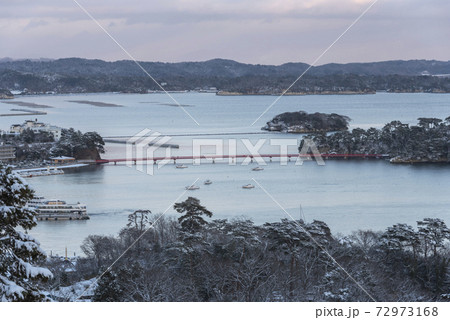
point(35, 23)
point(264, 31)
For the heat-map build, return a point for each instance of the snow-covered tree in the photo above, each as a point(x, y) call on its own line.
point(432, 232)
point(290, 239)
point(242, 236)
point(137, 225)
point(193, 245)
point(74, 142)
point(19, 252)
point(399, 237)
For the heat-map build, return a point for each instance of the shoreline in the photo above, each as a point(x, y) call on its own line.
point(51, 167)
point(412, 161)
point(234, 93)
point(37, 113)
point(222, 93)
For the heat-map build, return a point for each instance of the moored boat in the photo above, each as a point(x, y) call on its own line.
point(248, 186)
point(192, 187)
point(207, 182)
point(57, 210)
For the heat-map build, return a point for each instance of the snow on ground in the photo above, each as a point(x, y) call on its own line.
point(81, 291)
point(76, 165)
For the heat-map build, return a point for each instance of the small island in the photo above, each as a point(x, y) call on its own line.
point(303, 122)
point(426, 142)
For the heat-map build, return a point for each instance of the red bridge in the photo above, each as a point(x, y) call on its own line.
point(252, 157)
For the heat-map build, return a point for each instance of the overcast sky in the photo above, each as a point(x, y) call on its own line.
point(251, 31)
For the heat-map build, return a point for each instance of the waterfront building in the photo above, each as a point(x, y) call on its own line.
point(62, 160)
point(37, 127)
point(7, 152)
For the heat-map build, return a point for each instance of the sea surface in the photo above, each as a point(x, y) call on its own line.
point(347, 195)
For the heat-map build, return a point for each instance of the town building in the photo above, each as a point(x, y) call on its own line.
point(37, 127)
point(7, 152)
point(62, 160)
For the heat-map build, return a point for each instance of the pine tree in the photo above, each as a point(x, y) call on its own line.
point(109, 288)
point(432, 232)
point(137, 225)
point(192, 224)
point(192, 220)
point(18, 250)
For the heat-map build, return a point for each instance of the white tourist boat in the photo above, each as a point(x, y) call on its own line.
point(207, 182)
point(57, 210)
point(193, 187)
point(248, 186)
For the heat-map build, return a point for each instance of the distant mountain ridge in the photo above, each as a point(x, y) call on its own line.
point(76, 75)
point(219, 67)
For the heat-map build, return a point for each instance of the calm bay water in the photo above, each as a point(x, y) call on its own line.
point(348, 195)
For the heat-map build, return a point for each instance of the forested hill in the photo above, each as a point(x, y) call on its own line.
point(83, 75)
point(219, 67)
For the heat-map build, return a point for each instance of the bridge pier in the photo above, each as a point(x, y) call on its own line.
point(154, 161)
point(213, 160)
point(134, 162)
point(270, 159)
point(251, 159)
point(174, 161)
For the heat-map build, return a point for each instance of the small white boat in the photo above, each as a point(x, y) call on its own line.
point(181, 166)
point(248, 186)
point(207, 182)
point(193, 187)
point(258, 169)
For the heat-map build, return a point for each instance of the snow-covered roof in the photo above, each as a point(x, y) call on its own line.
point(62, 158)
